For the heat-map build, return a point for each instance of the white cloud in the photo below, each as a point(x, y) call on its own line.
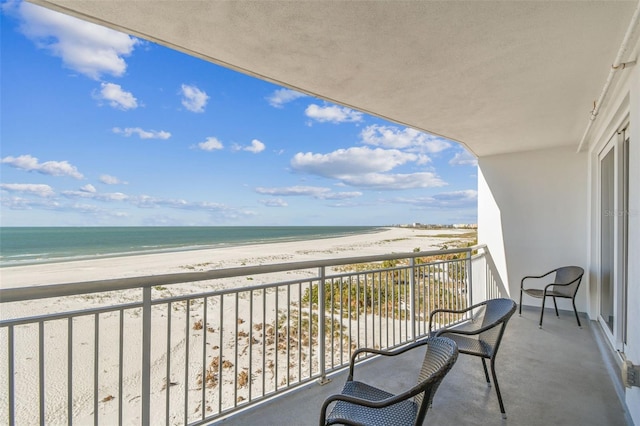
point(111, 180)
point(116, 97)
point(275, 202)
point(88, 191)
point(350, 161)
point(255, 147)
point(453, 199)
point(390, 181)
point(283, 96)
point(89, 188)
point(407, 138)
point(40, 190)
point(21, 203)
point(309, 191)
point(224, 211)
point(332, 114)
point(366, 167)
point(52, 168)
point(463, 158)
point(193, 98)
point(84, 47)
point(143, 134)
point(210, 144)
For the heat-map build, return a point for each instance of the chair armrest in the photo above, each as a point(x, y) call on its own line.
point(393, 352)
point(536, 276)
point(453, 311)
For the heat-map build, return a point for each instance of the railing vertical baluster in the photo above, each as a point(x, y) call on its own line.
point(277, 337)
point(365, 290)
point(321, 326)
point(412, 296)
point(341, 314)
point(205, 327)
point(70, 371)
point(168, 373)
point(358, 311)
point(120, 365)
point(349, 315)
point(12, 383)
point(469, 280)
point(264, 340)
point(235, 355)
point(331, 305)
point(96, 362)
point(146, 355)
point(384, 309)
point(427, 294)
point(221, 351)
point(186, 359)
point(300, 331)
point(41, 369)
point(372, 285)
point(250, 345)
point(310, 331)
point(380, 308)
point(288, 334)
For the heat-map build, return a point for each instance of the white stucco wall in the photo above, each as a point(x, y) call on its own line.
point(532, 213)
point(633, 296)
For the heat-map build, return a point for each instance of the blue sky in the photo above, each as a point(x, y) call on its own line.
point(100, 128)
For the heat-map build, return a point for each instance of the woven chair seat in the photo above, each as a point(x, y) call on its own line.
point(536, 292)
point(471, 345)
point(402, 413)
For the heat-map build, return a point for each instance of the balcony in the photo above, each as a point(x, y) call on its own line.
point(170, 355)
point(559, 375)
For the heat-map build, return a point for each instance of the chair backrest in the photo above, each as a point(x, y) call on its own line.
point(568, 274)
point(441, 354)
point(496, 315)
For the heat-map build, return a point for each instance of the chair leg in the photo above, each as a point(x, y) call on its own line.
point(520, 304)
point(542, 311)
point(495, 383)
point(575, 311)
point(555, 306)
point(486, 373)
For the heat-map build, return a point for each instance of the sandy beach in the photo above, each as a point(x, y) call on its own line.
point(390, 240)
point(247, 352)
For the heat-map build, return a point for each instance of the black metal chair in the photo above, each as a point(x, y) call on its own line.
point(565, 285)
point(362, 404)
point(478, 333)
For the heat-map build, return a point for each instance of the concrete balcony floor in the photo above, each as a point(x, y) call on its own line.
point(560, 375)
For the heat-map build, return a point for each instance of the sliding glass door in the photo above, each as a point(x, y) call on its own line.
point(614, 208)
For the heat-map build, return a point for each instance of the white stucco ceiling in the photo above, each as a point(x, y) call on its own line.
point(498, 76)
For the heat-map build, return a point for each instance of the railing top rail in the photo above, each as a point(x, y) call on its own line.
point(100, 286)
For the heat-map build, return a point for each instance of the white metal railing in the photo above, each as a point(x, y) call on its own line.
point(184, 358)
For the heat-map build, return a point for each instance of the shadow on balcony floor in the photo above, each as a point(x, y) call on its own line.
point(555, 375)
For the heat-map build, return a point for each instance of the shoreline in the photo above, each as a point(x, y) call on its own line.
point(387, 240)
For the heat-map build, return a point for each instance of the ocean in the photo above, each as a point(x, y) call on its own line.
point(32, 245)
